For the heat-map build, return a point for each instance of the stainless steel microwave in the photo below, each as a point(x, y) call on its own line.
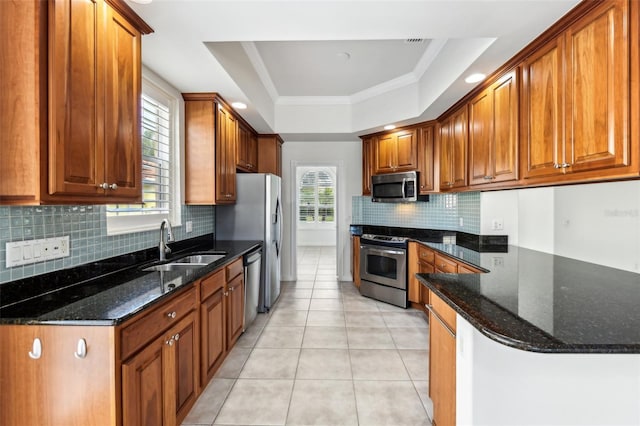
point(396, 188)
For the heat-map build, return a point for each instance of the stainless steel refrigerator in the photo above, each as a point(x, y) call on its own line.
point(256, 215)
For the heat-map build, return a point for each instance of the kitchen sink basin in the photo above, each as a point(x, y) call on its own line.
point(188, 262)
point(203, 259)
point(173, 266)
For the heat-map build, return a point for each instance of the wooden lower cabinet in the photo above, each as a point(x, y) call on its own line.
point(212, 325)
point(442, 362)
point(355, 270)
point(159, 384)
point(235, 309)
point(52, 385)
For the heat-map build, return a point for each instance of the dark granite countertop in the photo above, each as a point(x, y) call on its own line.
point(540, 302)
point(116, 290)
point(531, 300)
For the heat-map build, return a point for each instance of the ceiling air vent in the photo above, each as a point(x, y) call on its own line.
point(414, 40)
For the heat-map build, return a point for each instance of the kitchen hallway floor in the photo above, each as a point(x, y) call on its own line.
point(323, 356)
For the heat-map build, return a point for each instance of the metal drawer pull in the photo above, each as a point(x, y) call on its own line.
point(81, 350)
point(171, 315)
point(36, 350)
point(435, 314)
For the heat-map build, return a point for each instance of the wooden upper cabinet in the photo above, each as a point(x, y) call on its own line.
point(577, 99)
point(426, 158)
point(226, 137)
point(493, 132)
point(80, 89)
point(367, 154)
point(453, 150)
point(94, 103)
point(270, 154)
point(396, 152)
point(542, 119)
point(210, 150)
point(597, 89)
point(247, 152)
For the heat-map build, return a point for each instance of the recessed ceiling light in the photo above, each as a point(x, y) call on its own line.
point(475, 78)
point(389, 127)
point(345, 56)
point(239, 105)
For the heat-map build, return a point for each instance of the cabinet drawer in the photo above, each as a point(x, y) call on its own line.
point(426, 255)
point(149, 326)
point(234, 269)
point(446, 265)
point(466, 269)
point(426, 268)
point(211, 284)
point(444, 311)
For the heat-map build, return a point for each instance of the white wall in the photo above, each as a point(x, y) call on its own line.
point(347, 157)
point(598, 223)
point(316, 237)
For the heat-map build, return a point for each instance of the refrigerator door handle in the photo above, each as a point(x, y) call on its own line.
point(278, 224)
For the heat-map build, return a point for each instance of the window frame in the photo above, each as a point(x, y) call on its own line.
point(117, 225)
point(301, 171)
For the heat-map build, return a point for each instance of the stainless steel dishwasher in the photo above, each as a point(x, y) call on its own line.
point(252, 280)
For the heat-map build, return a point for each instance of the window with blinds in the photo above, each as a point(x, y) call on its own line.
point(156, 142)
point(316, 197)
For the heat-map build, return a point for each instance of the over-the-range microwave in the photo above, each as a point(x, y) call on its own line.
point(396, 188)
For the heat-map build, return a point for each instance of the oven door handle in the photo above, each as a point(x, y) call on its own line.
point(382, 252)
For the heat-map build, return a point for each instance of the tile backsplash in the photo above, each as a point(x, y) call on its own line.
point(87, 229)
point(443, 211)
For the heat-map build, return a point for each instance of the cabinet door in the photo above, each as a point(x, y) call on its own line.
point(185, 354)
point(200, 151)
point(425, 162)
point(212, 328)
point(459, 137)
point(480, 138)
point(235, 311)
point(442, 372)
point(242, 159)
point(504, 150)
point(406, 154)
point(446, 155)
point(76, 97)
point(597, 89)
point(385, 152)
point(542, 119)
point(367, 147)
point(143, 386)
point(61, 386)
point(123, 158)
point(413, 293)
point(225, 156)
point(252, 152)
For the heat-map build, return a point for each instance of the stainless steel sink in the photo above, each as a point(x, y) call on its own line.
point(203, 259)
point(188, 262)
point(174, 266)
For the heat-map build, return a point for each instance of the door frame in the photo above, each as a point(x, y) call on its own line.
point(340, 213)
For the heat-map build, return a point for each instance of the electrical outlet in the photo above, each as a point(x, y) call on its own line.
point(498, 262)
point(461, 222)
point(189, 226)
point(24, 252)
point(497, 224)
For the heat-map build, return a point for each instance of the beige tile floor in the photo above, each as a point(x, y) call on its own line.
point(323, 356)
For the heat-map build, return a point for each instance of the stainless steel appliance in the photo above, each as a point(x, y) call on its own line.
point(252, 274)
point(256, 215)
point(383, 268)
point(396, 188)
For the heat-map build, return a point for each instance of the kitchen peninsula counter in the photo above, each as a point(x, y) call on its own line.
point(109, 292)
point(541, 302)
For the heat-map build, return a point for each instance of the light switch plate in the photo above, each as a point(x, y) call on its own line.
point(31, 251)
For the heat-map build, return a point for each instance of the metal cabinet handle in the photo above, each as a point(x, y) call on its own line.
point(565, 165)
point(488, 178)
point(170, 342)
point(171, 315)
point(231, 289)
point(113, 186)
point(226, 293)
point(176, 337)
point(36, 349)
point(436, 316)
point(81, 349)
point(103, 185)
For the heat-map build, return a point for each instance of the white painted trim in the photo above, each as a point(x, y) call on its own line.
point(261, 69)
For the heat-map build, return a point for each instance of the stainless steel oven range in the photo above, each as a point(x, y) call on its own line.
point(383, 268)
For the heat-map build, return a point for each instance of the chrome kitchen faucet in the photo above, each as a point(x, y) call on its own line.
point(162, 246)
